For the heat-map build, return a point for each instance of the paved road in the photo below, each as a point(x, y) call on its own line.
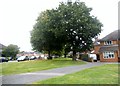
point(28, 78)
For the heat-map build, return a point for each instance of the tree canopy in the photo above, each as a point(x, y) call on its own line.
point(10, 51)
point(69, 26)
point(42, 36)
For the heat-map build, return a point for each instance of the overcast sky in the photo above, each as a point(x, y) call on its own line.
point(17, 18)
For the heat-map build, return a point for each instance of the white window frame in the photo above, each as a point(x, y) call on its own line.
point(108, 42)
point(108, 55)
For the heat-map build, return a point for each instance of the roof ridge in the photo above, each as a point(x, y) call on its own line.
point(111, 36)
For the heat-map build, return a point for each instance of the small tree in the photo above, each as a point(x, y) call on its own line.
point(10, 51)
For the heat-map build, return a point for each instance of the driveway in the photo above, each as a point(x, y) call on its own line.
point(28, 78)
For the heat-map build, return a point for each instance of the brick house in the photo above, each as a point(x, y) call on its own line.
point(108, 50)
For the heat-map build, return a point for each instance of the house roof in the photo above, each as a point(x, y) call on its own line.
point(112, 36)
point(108, 48)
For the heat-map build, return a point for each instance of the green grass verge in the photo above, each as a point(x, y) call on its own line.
point(37, 65)
point(106, 74)
point(0, 69)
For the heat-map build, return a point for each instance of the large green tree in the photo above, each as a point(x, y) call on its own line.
point(77, 24)
point(71, 22)
point(10, 51)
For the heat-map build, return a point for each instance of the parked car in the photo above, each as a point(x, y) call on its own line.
point(32, 58)
point(3, 59)
point(55, 56)
point(22, 58)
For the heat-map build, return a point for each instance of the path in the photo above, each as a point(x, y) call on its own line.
point(28, 78)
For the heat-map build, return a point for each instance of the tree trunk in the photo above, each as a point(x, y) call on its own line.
point(65, 54)
point(49, 57)
point(74, 55)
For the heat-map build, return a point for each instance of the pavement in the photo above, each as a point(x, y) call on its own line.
point(29, 78)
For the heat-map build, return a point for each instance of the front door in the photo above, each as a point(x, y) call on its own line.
point(98, 57)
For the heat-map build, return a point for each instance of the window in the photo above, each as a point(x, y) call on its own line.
point(108, 55)
point(108, 42)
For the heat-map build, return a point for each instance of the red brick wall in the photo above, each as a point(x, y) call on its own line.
point(102, 43)
point(96, 49)
point(114, 42)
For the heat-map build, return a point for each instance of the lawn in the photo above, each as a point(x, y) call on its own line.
point(37, 65)
point(0, 69)
point(106, 74)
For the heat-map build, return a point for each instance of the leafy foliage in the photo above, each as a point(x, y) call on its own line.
point(10, 51)
point(69, 27)
point(75, 22)
point(42, 37)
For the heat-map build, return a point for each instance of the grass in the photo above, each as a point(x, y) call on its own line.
point(9, 68)
point(0, 69)
point(106, 74)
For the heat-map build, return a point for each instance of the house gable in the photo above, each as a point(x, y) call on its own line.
point(109, 50)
